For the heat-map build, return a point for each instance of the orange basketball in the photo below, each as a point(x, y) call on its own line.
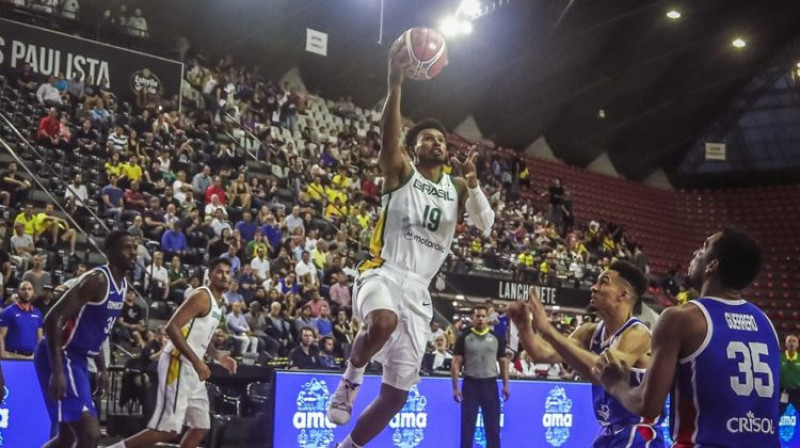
point(427, 53)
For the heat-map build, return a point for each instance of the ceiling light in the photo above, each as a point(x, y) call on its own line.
point(466, 27)
point(470, 8)
point(798, 65)
point(739, 43)
point(460, 296)
point(450, 26)
point(674, 15)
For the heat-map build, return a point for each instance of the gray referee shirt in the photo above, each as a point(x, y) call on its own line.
point(480, 351)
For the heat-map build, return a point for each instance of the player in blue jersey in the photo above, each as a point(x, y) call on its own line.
point(75, 328)
point(614, 297)
point(718, 354)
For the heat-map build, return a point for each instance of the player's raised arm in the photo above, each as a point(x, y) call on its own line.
point(90, 288)
point(473, 198)
point(392, 158)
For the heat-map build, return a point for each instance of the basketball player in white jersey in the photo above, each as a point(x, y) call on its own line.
point(182, 372)
point(411, 241)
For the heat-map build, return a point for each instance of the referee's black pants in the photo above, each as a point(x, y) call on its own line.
point(480, 393)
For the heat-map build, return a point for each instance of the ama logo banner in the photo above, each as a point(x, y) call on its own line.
point(538, 415)
point(21, 406)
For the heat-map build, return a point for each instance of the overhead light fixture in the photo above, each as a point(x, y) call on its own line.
point(466, 27)
point(460, 296)
point(601, 113)
point(470, 8)
point(674, 15)
point(450, 26)
point(739, 43)
point(798, 65)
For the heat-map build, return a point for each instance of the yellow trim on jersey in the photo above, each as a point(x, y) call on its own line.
point(174, 370)
point(376, 241)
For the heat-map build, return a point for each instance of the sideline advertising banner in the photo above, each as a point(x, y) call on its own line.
point(24, 422)
point(540, 414)
point(131, 75)
point(502, 289)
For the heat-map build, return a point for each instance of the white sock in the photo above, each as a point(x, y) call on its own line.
point(348, 443)
point(354, 374)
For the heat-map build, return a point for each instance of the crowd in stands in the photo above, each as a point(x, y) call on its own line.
point(117, 20)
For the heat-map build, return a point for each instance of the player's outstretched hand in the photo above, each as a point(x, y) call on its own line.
point(609, 370)
point(540, 321)
point(398, 61)
point(202, 370)
point(466, 168)
point(457, 395)
point(520, 314)
point(58, 386)
point(229, 364)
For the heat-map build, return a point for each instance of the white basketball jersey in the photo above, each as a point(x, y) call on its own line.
point(199, 331)
point(416, 226)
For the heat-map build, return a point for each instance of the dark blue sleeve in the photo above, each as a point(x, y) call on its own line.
point(5, 317)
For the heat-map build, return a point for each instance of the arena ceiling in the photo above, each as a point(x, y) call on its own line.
point(531, 67)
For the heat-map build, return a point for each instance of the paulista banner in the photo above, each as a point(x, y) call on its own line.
point(133, 76)
point(503, 289)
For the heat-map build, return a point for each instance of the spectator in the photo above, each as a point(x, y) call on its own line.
point(232, 296)
point(48, 94)
point(157, 278)
point(316, 303)
point(26, 78)
point(257, 321)
point(134, 199)
point(294, 221)
point(118, 140)
point(37, 276)
point(343, 331)
point(130, 326)
point(279, 328)
point(324, 324)
point(327, 357)
point(272, 231)
point(45, 301)
point(20, 326)
point(305, 320)
point(288, 284)
point(247, 227)
point(194, 283)
point(49, 131)
point(247, 283)
point(75, 86)
point(240, 330)
point(790, 375)
point(216, 189)
point(305, 356)
point(22, 248)
point(230, 255)
point(13, 188)
point(76, 195)
point(56, 228)
point(340, 292)
point(154, 223)
point(137, 25)
point(202, 181)
point(178, 280)
point(305, 265)
point(435, 332)
point(260, 265)
point(173, 241)
point(441, 355)
point(113, 203)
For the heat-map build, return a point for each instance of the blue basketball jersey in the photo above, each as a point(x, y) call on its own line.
point(84, 334)
point(607, 409)
point(726, 392)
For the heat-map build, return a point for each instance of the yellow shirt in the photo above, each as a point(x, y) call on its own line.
point(114, 170)
point(608, 244)
point(335, 210)
point(477, 246)
point(363, 221)
point(524, 173)
point(31, 225)
point(319, 258)
point(525, 259)
point(132, 172)
point(544, 268)
point(341, 182)
point(315, 190)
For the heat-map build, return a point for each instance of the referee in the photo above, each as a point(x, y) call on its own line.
point(480, 351)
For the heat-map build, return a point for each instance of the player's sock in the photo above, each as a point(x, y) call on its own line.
point(348, 442)
point(354, 374)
